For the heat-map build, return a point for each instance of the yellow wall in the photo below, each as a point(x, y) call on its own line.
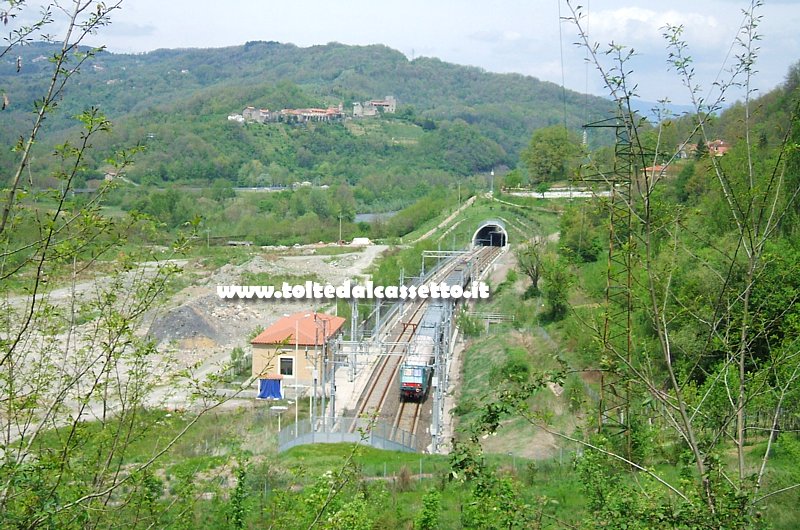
point(266, 360)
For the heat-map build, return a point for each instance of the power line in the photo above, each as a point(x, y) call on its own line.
point(586, 76)
point(561, 50)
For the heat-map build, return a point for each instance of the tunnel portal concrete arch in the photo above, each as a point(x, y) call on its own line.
point(491, 233)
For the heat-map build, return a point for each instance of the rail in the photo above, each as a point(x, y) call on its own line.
point(374, 398)
point(399, 427)
point(380, 328)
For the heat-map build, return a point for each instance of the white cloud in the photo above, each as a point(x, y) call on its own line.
point(642, 28)
point(501, 36)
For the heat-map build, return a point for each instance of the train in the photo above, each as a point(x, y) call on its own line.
point(416, 371)
point(460, 275)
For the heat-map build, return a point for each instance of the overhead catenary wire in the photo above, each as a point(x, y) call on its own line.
point(561, 53)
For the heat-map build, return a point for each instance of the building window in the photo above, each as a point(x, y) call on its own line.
point(287, 366)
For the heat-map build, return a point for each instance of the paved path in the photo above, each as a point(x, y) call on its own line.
point(562, 193)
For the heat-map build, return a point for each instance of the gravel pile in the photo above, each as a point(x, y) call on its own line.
point(206, 327)
point(183, 322)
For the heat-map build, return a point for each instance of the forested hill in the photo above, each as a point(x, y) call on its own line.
point(335, 72)
point(144, 88)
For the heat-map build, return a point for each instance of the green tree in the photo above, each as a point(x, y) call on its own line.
point(185, 501)
point(557, 283)
point(513, 179)
point(461, 148)
point(701, 151)
point(684, 286)
point(253, 173)
point(468, 325)
point(530, 257)
point(428, 517)
point(580, 236)
point(237, 507)
point(746, 199)
point(76, 376)
point(320, 202)
point(278, 175)
point(345, 202)
point(552, 154)
point(222, 190)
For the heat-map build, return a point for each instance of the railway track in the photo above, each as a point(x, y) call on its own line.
point(485, 258)
point(382, 395)
point(407, 417)
point(384, 374)
point(374, 396)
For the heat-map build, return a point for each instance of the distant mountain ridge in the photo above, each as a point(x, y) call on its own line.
point(123, 84)
point(452, 123)
point(451, 120)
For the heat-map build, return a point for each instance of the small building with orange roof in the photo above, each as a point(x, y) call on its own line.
point(293, 348)
point(718, 147)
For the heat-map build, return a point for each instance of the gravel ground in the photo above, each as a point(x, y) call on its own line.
point(200, 326)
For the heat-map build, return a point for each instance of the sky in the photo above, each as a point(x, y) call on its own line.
point(526, 37)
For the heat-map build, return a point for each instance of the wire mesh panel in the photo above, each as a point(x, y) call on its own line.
point(377, 434)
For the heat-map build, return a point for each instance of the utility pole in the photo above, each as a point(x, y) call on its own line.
point(322, 369)
point(315, 373)
point(491, 188)
point(324, 376)
point(437, 391)
point(332, 364)
point(340, 227)
point(354, 320)
point(295, 373)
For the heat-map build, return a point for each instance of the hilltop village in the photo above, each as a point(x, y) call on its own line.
point(365, 109)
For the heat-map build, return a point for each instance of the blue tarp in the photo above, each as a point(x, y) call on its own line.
point(269, 389)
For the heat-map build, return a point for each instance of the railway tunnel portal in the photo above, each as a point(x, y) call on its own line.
point(490, 233)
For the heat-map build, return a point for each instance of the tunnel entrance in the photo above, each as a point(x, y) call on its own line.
point(490, 234)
